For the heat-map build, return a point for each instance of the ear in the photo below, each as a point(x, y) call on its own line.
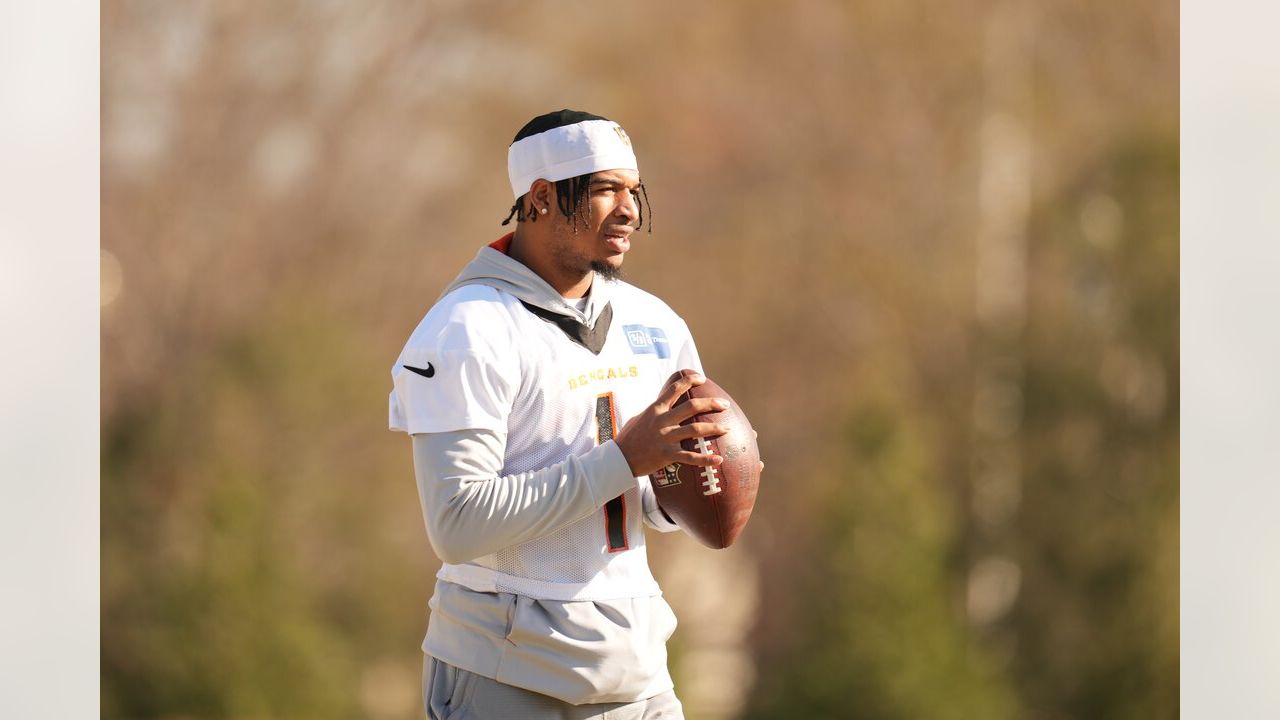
point(542, 195)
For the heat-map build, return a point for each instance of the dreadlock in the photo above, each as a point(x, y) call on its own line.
point(571, 196)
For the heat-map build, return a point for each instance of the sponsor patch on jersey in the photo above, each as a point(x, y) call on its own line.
point(669, 475)
point(647, 340)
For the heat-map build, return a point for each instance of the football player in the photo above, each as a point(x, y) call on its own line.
point(529, 392)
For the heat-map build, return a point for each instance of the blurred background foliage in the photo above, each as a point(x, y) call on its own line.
point(936, 251)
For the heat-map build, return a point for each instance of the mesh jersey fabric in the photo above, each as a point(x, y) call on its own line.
point(495, 365)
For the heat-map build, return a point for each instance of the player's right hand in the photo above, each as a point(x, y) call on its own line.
point(651, 440)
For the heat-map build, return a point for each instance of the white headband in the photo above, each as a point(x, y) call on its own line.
point(568, 151)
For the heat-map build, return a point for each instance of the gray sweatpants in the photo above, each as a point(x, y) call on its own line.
point(450, 693)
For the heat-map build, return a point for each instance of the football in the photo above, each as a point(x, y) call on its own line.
point(713, 504)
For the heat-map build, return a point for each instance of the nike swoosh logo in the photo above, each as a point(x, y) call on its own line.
point(429, 372)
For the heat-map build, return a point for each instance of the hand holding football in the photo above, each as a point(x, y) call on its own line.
point(712, 502)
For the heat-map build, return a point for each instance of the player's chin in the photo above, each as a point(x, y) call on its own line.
point(609, 268)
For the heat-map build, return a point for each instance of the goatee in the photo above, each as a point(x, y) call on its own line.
point(606, 270)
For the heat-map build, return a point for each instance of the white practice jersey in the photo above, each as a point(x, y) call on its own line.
point(481, 359)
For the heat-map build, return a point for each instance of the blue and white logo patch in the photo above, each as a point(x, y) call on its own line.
point(647, 340)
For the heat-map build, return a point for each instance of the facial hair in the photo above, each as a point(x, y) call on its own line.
point(576, 264)
point(605, 270)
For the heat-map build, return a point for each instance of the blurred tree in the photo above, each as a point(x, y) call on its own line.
point(1096, 627)
point(247, 567)
point(879, 633)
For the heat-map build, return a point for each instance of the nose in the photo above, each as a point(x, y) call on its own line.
point(629, 208)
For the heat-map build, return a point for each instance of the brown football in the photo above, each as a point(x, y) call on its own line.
point(713, 504)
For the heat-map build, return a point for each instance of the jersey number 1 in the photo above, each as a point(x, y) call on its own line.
point(615, 511)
